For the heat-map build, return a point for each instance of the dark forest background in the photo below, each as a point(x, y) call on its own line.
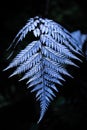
point(18, 108)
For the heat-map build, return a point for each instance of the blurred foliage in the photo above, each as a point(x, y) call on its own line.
point(69, 13)
point(17, 109)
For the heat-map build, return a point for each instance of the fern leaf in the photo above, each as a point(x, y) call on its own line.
point(60, 48)
point(28, 64)
point(30, 50)
point(43, 62)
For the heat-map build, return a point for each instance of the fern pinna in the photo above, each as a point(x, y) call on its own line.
point(43, 62)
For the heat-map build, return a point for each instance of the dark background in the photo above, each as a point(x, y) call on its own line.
point(18, 108)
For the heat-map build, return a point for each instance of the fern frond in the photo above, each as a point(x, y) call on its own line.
point(30, 50)
point(28, 64)
point(60, 48)
point(43, 62)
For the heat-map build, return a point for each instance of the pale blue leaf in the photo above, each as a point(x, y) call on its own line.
point(44, 61)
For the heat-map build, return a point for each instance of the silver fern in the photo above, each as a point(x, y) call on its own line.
point(44, 61)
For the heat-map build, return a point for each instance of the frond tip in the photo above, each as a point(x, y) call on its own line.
point(43, 62)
